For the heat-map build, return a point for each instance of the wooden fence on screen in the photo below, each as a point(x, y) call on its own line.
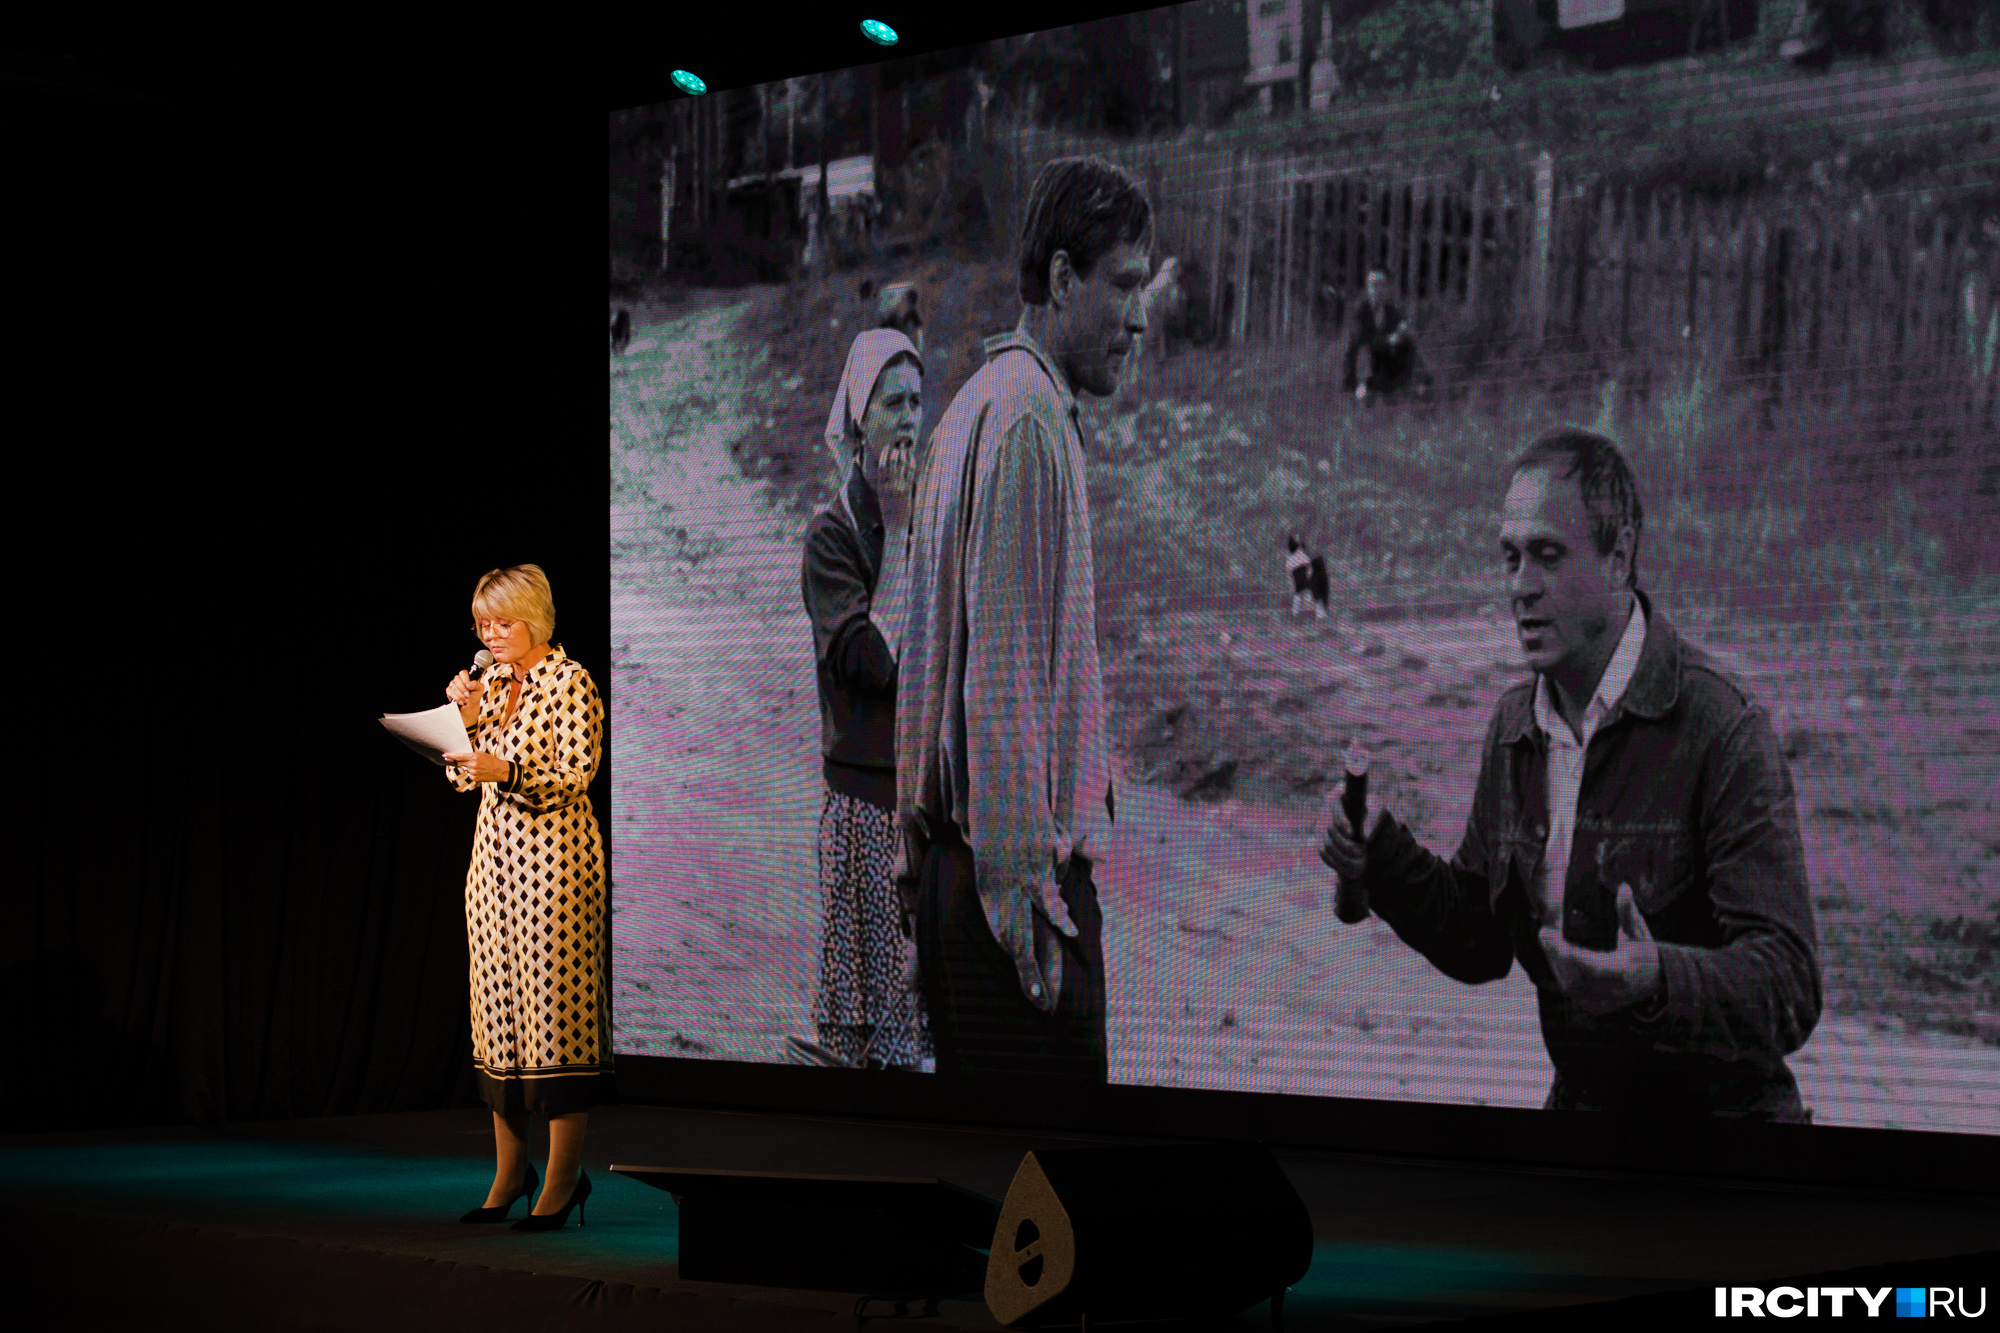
point(1518, 255)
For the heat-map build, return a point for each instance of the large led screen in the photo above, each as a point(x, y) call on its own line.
point(1190, 358)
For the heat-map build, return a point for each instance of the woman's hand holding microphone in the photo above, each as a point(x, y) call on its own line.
point(466, 693)
point(475, 764)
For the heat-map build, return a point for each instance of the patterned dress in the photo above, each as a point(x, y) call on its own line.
point(534, 896)
point(869, 1011)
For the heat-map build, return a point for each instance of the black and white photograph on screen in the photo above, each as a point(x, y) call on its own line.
point(1041, 470)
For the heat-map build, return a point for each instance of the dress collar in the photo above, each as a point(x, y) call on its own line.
point(541, 668)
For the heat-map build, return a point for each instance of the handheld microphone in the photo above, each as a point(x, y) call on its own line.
point(481, 663)
point(1350, 903)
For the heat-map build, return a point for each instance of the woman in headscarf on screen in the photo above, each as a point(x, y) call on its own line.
point(868, 1014)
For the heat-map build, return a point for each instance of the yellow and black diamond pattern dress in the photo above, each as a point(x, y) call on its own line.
point(534, 896)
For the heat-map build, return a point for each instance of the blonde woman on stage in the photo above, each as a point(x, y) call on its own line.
point(534, 895)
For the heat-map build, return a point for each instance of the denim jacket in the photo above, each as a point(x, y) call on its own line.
point(1687, 798)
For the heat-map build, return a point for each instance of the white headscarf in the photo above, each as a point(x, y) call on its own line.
point(871, 352)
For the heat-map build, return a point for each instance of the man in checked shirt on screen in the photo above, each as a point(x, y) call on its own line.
point(1002, 767)
point(1633, 840)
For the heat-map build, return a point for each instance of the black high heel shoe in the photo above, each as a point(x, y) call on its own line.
point(557, 1221)
point(500, 1214)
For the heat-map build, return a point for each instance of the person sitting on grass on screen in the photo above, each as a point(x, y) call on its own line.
point(1380, 328)
point(1633, 841)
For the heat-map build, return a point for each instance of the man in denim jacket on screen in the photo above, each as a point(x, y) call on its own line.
point(1633, 840)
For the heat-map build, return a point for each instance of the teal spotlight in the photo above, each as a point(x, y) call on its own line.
point(878, 32)
point(689, 83)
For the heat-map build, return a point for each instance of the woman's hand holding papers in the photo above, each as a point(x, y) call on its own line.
point(481, 766)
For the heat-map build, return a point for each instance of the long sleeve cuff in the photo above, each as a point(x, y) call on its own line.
point(1668, 1014)
point(1654, 1007)
point(1390, 850)
point(862, 658)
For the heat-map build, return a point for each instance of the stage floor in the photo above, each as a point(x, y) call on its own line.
point(350, 1222)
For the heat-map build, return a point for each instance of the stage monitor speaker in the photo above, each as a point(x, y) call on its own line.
point(877, 1235)
point(1145, 1233)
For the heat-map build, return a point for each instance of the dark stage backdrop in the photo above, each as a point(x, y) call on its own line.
point(291, 368)
point(301, 345)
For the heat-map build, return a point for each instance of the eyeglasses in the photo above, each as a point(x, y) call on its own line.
point(495, 626)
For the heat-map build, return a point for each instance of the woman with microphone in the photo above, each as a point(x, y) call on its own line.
point(534, 895)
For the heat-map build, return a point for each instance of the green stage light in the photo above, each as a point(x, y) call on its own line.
point(689, 83)
point(878, 32)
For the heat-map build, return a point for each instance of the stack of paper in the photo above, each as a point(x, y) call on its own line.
point(433, 735)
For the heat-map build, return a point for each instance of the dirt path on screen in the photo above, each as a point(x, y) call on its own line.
point(1226, 967)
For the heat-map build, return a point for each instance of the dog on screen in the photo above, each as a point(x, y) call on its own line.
point(1308, 577)
point(621, 332)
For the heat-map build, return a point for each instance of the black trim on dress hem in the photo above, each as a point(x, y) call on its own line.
point(558, 1094)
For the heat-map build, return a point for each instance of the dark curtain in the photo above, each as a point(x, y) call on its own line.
point(297, 356)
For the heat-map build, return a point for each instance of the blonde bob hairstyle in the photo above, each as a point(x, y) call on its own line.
point(518, 592)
